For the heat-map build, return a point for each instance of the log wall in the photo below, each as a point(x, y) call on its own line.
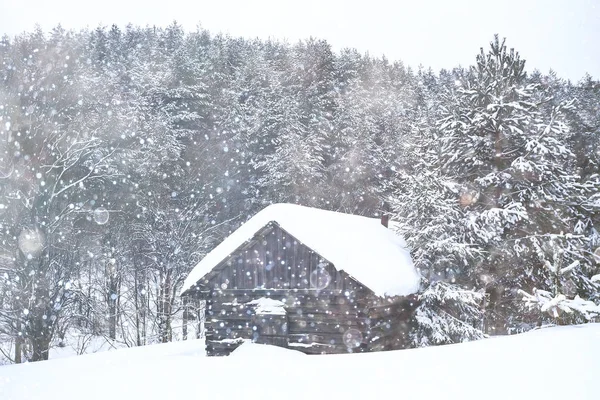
point(316, 322)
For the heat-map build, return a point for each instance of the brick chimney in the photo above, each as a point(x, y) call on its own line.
point(385, 213)
point(385, 219)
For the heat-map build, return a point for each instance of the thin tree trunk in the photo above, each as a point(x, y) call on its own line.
point(112, 319)
point(113, 295)
point(137, 306)
point(164, 311)
point(185, 319)
point(18, 344)
point(40, 348)
point(168, 308)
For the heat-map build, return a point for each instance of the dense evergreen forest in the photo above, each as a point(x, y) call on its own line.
point(128, 154)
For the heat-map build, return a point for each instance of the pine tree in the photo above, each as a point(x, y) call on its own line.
point(447, 314)
point(517, 163)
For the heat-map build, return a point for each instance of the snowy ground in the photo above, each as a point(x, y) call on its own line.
point(74, 344)
point(552, 363)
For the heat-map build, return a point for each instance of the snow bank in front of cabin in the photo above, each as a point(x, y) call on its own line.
point(362, 247)
point(551, 364)
point(256, 350)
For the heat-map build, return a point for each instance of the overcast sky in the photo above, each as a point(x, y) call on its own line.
point(562, 35)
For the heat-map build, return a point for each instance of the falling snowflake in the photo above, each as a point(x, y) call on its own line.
point(352, 338)
point(101, 215)
point(31, 242)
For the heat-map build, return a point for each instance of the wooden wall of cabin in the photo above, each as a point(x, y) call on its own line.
point(390, 321)
point(316, 322)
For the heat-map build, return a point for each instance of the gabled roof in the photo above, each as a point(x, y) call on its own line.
point(360, 246)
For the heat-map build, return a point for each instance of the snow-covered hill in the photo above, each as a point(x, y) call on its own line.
point(552, 363)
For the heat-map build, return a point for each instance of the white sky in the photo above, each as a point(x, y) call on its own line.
point(562, 35)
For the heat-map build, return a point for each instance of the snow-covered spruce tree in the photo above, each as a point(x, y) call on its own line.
point(447, 314)
point(371, 125)
point(560, 301)
point(355, 162)
point(515, 158)
point(434, 223)
point(296, 163)
point(434, 226)
point(300, 122)
point(584, 121)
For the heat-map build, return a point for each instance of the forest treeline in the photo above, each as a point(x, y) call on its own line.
point(127, 154)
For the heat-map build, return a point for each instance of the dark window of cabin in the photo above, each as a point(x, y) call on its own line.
point(271, 325)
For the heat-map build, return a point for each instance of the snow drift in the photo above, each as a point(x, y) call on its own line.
point(551, 363)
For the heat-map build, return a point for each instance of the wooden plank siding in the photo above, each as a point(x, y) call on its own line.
point(276, 265)
point(390, 322)
point(312, 318)
point(273, 259)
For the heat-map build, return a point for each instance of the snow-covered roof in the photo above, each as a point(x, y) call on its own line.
point(363, 248)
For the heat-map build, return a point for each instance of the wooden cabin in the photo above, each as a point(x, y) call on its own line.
point(308, 279)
